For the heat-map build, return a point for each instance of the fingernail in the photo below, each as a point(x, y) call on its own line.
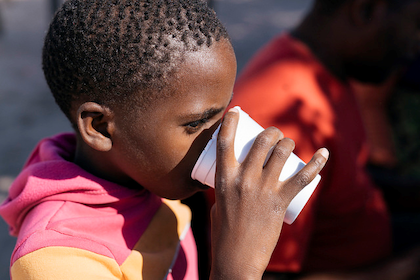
point(234, 110)
point(324, 152)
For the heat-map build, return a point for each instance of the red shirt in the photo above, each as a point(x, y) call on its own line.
point(345, 223)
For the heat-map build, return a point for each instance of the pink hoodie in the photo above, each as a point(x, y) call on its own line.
point(54, 202)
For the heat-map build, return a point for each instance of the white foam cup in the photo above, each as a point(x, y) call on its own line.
point(246, 132)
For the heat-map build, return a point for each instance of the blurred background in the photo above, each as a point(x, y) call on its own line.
point(27, 110)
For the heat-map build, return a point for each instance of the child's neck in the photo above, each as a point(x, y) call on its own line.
point(98, 164)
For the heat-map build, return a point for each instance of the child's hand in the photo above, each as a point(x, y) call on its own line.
point(251, 202)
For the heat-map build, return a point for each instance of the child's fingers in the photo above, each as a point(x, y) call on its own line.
point(278, 157)
point(260, 149)
point(307, 173)
point(225, 153)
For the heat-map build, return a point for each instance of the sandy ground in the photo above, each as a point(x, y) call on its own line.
point(27, 110)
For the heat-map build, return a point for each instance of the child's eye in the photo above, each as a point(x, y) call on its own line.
point(195, 126)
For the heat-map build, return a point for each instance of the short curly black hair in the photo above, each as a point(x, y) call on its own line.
point(105, 50)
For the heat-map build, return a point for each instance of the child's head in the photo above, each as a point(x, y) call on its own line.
point(140, 81)
point(105, 51)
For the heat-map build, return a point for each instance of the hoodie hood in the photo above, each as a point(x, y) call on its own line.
point(50, 175)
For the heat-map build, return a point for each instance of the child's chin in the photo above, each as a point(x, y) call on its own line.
point(196, 186)
point(200, 186)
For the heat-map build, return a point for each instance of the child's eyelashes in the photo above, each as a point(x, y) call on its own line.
point(196, 122)
point(193, 127)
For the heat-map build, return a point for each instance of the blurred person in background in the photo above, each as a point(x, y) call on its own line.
point(392, 120)
point(301, 82)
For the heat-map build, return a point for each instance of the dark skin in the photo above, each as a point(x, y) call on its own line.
point(364, 40)
point(156, 149)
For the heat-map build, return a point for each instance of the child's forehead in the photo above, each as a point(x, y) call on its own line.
point(208, 65)
point(217, 57)
point(212, 67)
point(204, 78)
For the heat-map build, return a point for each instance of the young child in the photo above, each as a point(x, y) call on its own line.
point(144, 84)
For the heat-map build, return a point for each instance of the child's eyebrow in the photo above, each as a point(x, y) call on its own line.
point(206, 114)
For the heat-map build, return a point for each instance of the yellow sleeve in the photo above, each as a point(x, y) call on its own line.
point(67, 263)
point(158, 246)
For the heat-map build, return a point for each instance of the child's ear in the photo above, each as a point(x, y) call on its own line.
point(95, 123)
